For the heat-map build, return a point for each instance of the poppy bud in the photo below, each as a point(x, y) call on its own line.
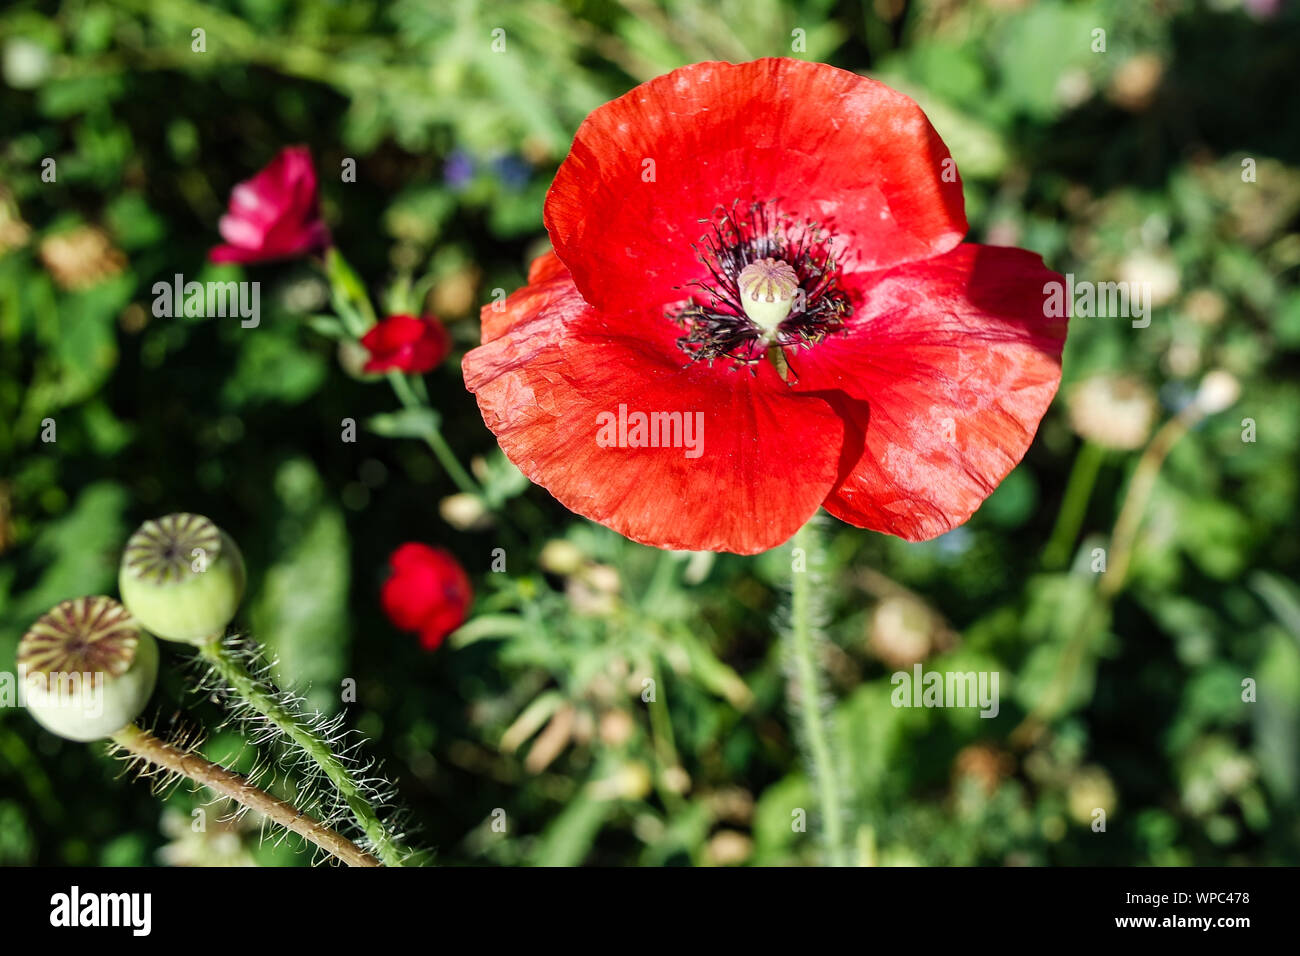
point(88, 669)
point(182, 577)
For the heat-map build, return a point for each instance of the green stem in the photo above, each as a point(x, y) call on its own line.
point(358, 315)
point(1123, 540)
point(1124, 537)
point(661, 581)
point(433, 438)
point(265, 703)
point(801, 650)
point(1074, 505)
point(663, 742)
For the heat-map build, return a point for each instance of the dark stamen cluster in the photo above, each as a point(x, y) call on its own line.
point(715, 321)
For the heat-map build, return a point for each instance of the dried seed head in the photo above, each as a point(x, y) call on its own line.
point(182, 577)
point(87, 668)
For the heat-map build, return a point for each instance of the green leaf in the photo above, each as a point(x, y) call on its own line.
point(349, 290)
point(501, 480)
point(79, 552)
point(1282, 598)
point(487, 627)
point(273, 367)
point(570, 836)
point(301, 610)
point(328, 326)
point(405, 423)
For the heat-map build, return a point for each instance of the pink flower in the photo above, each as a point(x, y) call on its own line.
point(274, 215)
point(406, 344)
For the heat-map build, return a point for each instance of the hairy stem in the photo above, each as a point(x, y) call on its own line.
point(220, 780)
point(800, 648)
point(264, 701)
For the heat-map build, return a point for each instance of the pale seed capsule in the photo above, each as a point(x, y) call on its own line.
point(182, 577)
point(87, 668)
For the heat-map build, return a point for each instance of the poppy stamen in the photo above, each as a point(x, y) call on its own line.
point(773, 284)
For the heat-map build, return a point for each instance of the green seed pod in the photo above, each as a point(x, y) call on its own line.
point(87, 668)
point(182, 577)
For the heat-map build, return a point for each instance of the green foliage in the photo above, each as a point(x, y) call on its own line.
point(626, 706)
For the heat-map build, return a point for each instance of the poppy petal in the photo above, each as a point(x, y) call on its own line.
point(947, 368)
point(827, 146)
point(545, 266)
point(548, 280)
point(749, 463)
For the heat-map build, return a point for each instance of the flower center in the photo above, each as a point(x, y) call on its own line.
point(767, 289)
point(773, 285)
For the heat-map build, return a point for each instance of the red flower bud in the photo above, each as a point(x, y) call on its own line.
point(427, 593)
point(274, 215)
point(406, 344)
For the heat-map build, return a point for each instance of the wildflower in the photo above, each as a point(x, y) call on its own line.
point(274, 215)
point(1219, 390)
point(406, 344)
point(428, 593)
point(840, 345)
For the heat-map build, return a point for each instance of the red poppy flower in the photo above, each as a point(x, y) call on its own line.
point(274, 215)
point(427, 593)
point(828, 340)
point(407, 344)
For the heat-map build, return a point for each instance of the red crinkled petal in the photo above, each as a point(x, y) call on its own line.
point(551, 365)
point(826, 145)
point(496, 318)
point(949, 365)
point(545, 266)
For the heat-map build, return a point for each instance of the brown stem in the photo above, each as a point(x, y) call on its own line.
point(232, 785)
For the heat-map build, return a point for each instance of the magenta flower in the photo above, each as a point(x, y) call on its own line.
point(274, 215)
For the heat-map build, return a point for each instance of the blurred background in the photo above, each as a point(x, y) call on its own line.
point(1170, 156)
